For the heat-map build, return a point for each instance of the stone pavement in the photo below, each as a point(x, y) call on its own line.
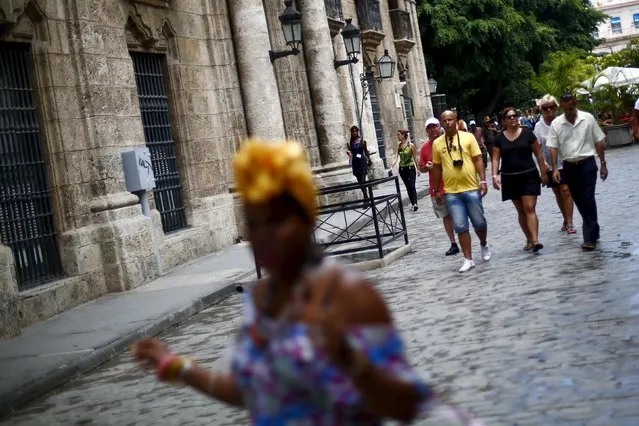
point(52, 352)
point(49, 353)
point(525, 339)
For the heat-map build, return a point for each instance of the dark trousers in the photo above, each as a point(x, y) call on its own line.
point(408, 175)
point(581, 178)
point(361, 178)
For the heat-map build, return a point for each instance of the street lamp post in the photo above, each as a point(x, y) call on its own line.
point(432, 85)
point(385, 66)
point(291, 20)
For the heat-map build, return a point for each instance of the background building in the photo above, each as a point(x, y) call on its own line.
point(621, 26)
point(81, 81)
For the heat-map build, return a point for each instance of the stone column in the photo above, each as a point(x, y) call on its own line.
point(323, 81)
point(259, 88)
point(9, 318)
point(420, 63)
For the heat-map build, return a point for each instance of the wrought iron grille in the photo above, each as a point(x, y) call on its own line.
point(402, 25)
point(26, 216)
point(156, 119)
point(439, 104)
point(334, 9)
point(377, 116)
point(362, 225)
point(409, 113)
point(368, 15)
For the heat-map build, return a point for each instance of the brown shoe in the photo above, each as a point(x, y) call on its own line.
point(589, 246)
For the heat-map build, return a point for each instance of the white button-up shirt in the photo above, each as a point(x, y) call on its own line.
point(575, 141)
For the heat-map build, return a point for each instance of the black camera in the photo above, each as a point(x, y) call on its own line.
point(458, 163)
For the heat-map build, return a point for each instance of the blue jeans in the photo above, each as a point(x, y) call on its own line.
point(464, 206)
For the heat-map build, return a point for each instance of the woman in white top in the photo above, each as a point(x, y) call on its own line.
point(548, 105)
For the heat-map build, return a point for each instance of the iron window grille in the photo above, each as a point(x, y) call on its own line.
point(369, 15)
point(26, 214)
point(334, 9)
point(156, 120)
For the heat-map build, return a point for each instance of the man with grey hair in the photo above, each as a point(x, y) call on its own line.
point(548, 106)
point(577, 138)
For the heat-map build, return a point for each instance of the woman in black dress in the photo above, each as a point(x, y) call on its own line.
point(520, 180)
point(359, 157)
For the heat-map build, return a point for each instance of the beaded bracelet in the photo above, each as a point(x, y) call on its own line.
point(172, 368)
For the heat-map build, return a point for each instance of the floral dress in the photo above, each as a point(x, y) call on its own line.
point(288, 381)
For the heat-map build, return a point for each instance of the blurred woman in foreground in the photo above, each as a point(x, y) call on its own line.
point(318, 345)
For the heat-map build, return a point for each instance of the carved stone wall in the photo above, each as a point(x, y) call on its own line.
point(87, 98)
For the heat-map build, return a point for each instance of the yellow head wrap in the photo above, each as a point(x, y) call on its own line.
point(264, 171)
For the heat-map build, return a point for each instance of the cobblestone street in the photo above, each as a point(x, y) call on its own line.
point(525, 339)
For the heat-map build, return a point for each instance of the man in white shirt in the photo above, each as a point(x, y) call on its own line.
point(635, 121)
point(548, 106)
point(576, 137)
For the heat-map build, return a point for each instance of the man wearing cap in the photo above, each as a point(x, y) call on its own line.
point(576, 138)
point(433, 130)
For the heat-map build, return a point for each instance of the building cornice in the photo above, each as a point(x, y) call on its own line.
point(606, 7)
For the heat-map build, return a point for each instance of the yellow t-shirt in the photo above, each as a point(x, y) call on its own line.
point(458, 179)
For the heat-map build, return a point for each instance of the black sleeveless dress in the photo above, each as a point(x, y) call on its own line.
point(359, 159)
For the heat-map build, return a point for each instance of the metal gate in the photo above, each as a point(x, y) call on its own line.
point(156, 119)
point(439, 105)
point(377, 116)
point(409, 113)
point(26, 216)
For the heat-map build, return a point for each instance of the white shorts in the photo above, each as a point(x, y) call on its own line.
point(441, 210)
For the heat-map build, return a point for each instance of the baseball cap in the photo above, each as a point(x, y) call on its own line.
point(472, 122)
point(432, 121)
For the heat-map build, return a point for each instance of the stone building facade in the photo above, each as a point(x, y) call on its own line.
point(83, 80)
point(620, 27)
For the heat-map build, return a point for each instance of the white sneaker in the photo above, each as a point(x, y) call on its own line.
point(485, 253)
point(467, 266)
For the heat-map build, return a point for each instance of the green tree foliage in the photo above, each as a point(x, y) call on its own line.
point(577, 69)
point(628, 57)
point(485, 52)
point(564, 71)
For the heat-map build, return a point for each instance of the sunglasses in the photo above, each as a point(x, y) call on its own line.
point(548, 108)
point(511, 117)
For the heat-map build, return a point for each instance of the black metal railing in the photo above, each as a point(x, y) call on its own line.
point(156, 120)
point(368, 15)
point(361, 225)
point(26, 214)
point(402, 25)
point(334, 9)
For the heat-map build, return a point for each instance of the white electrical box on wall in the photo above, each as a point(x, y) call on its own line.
point(138, 171)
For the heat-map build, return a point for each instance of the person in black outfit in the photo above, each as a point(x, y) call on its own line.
point(490, 132)
point(520, 181)
point(359, 157)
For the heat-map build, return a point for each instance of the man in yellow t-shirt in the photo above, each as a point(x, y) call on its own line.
point(457, 157)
